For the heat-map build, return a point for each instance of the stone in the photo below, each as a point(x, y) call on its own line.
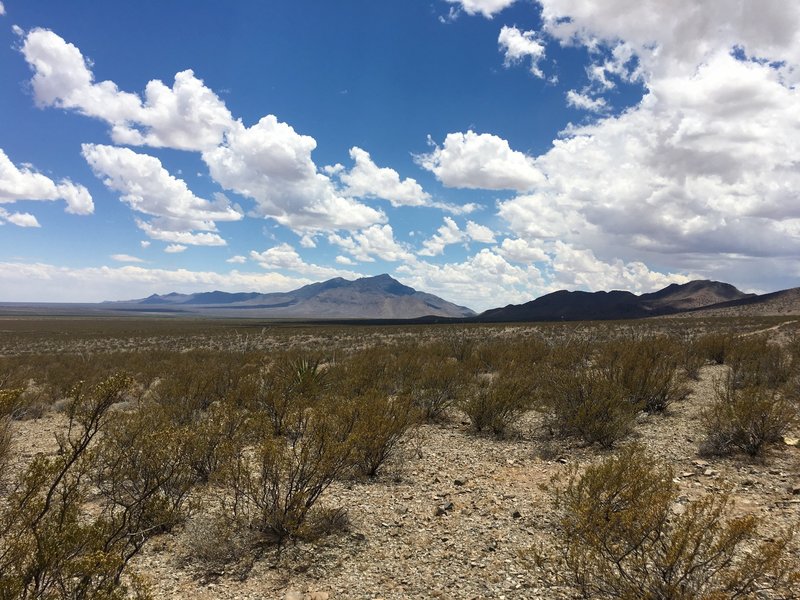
point(443, 509)
point(458, 482)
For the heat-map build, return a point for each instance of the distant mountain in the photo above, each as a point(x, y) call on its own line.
point(782, 303)
point(379, 297)
point(579, 306)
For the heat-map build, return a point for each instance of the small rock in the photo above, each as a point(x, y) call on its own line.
point(293, 595)
point(317, 596)
point(710, 473)
point(516, 514)
point(688, 474)
point(790, 441)
point(443, 509)
point(700, 464)
point(458, 482)
point(796, 490)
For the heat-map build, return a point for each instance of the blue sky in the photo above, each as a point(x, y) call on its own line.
point(488, 151)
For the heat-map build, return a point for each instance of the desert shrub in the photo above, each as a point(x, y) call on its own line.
point(143, 474)
point(496, 403)
point(754, 362)
point(646, 368)
point(273, 487)
point(437, 387)
point(283, 391)
point(50, 545)
point(381, 422)
point(217, 542)
point(620, 538)
point(745, 420)
point(588, 404)
point(713, 347)
point(5, 446)
point(215, 437)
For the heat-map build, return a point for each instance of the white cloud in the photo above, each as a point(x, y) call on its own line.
point(237, 260)
point(368, 180)
point(450, 233)
point(188, 116)
point(2, 9)
point(126, 258)
point(481, 161)
point(484, 280)
point(479, 233)
point(145, 243)
point(584, 101)
point(488, 8)
point(38, 282)
point(24, 183)
point(284, 256)
point(149, 189)
point(376, 241)
point(521, 251)
point(519, 46)
point(271, 163)
point(175, 248)
point(343, 260)
point(18, 219)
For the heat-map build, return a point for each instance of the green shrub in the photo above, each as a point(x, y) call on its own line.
point(51, 546)
point(620, 538)
point(381, 423)
point(745, 420)
point(713, 347)
point(273, 487)
point(755, 362)
point(646, 368)
point(588, 404)
point(495, 404)
point(437, 388)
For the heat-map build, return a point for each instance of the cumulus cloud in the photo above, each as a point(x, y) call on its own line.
point(175, 248)
point(188, 116)
point(24, 183)
point(268, 162)
point(2, 9)
point(271, 163)
point(18, 219)
point(481, 161)
point(482, 281)
point(521, 251)
point(36, 282)
point(487, 8)
point(519, 46)
point(450, 233)
point(376, 241)
point(368, 180)
point(237, 260)
point(148, 188)
point(285, 257)
point(127, 258)
point(584, 101)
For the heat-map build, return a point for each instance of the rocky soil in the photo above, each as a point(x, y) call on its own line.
point(457, 514)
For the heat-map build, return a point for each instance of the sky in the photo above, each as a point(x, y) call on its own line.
point(487, 151)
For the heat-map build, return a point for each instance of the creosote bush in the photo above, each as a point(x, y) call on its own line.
point(745, 419)
point(50, 545)
point(380, 424)
point(647, 368)
point(589, 405)
point(621, 538)
point(755, 362)
point(496, 403)
point(273, 486)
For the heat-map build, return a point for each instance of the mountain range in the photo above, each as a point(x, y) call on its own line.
point(384, 298)
point(379, 297)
